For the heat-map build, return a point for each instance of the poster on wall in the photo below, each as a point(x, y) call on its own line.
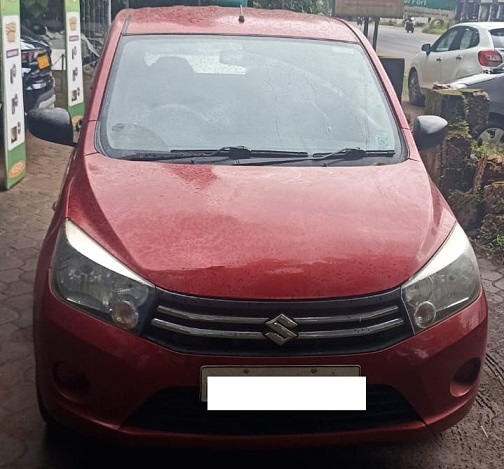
point(13, 167)
point(75, 83)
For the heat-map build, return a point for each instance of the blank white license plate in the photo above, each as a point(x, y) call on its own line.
point(283, 388)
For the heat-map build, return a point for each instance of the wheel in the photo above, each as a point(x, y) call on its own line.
point(492, 133)
point(414, 92)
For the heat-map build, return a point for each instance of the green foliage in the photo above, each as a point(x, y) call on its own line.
point(117, 6)
point(481, 149)
point(160, 3)
point(491, 242)
point(499, 241)
point(437, 26)
point(46, 9)
point(34, 8)
point(38, 9)
point(304, 6)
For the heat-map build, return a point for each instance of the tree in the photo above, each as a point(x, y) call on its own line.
point(304, 6)
point(49, 13)
point(34, 8)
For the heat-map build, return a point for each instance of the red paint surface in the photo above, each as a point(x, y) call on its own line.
point(262, 232)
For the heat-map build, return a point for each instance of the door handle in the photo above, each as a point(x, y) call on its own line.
point(438, 60)
point(459, 57)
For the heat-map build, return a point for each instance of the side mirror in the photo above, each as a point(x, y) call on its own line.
point(51, 124)
point(429, 131)
point(426, 48)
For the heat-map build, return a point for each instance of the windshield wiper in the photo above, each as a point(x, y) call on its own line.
point(346, 154)
point(353, 154)
point(225, 153)
point(259, 157)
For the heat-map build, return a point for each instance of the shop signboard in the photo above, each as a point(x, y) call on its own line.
point(370, 8)
point(75, 83)
point(433, 8)
point(432, 4)
point(12, 141)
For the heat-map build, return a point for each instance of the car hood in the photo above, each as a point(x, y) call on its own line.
point(262, 232)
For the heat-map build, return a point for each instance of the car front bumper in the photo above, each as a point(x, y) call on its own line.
point(104, 381)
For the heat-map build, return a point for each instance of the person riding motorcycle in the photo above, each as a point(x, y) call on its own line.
point(410, 25)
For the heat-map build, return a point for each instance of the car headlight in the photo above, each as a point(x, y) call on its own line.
point(447, 283)
point(85, 274)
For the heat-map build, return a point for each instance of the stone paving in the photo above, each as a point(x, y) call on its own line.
point(25, 211)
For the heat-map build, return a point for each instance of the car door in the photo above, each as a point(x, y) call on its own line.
point(438, 53)
point(461, 60)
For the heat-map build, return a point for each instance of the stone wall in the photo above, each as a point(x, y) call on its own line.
point(471, 177)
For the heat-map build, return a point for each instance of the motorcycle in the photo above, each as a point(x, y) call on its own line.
point(410, 26)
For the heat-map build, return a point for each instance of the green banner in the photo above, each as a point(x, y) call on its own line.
point(75, 84)
point(431, 4)
point(13, 152)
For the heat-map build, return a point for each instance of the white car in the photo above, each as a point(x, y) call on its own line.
point(464, 49)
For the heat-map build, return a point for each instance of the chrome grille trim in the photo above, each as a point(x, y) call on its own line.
point(243, 327)
point(208, 317)
point(261, 320)
point(194, 331)
point(349, 317)
point(206, 332)
point(358, 331)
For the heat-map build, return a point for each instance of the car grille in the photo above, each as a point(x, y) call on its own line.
point(180, 410)
point(278, 328)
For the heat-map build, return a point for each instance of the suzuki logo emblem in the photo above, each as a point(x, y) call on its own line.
point(280, 329)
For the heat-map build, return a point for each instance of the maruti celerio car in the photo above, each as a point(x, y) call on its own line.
point(246, 200)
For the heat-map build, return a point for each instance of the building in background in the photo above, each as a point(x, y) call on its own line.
point(479, 10)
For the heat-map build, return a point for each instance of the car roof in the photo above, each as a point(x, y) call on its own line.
point(483, 24)
point(225, 20)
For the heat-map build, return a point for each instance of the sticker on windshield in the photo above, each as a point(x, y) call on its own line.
point(382, 142)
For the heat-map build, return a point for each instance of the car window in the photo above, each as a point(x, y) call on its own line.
point(207, 92)
point(444, 43)
point(497, 37)
point(469, 38)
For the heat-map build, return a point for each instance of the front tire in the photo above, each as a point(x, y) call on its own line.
point(414, 92)
point(492, 133)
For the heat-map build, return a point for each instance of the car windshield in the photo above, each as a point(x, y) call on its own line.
point(178, 93)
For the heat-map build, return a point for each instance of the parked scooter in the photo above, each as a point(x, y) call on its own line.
point(410, 25)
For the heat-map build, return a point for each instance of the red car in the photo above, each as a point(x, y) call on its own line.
point(247, 250)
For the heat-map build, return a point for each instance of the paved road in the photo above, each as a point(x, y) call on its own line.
point(394, 41)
